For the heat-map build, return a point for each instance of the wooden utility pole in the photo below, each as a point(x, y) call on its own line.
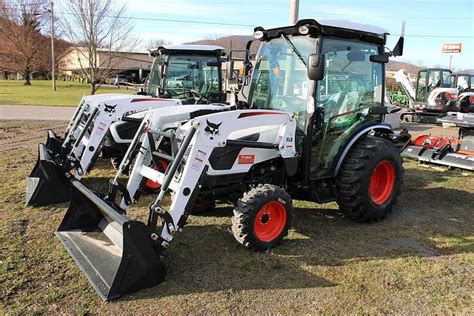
point(290, 62)
point(53, 63)
point(294, 8)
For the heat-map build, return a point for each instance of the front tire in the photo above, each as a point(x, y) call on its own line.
point(262, 217)
point(370, 180)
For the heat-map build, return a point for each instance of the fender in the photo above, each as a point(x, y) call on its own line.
point(378, 127)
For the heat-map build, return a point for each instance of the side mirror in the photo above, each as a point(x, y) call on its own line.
point(316, 65)
point(381, 59)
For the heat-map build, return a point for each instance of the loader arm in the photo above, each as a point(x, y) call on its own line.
point(406, 84)
point(198, 138)
point(157, 124)
point(88, 143)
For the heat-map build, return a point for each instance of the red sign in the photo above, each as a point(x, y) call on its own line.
point(246, 159)
point(450, 48)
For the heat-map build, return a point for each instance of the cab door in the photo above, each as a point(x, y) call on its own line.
point(351, 85)
point(421, 86)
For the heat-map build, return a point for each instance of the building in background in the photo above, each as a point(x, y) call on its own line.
point(134, 65)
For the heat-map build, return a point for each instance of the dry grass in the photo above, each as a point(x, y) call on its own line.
point(418, 260)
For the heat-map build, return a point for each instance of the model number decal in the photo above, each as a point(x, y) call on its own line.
point(246, 159)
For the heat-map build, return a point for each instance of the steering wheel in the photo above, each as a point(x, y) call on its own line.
point(198, 95)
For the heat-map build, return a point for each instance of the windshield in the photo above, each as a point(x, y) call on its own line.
point(351, 81)
point(183, 74)
point(462, 82)
point(280, 79)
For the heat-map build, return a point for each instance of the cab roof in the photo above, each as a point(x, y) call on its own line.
point(336, 28)
point(188, 49)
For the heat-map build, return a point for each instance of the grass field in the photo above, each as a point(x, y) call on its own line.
point(40, 92)
point(419, 260)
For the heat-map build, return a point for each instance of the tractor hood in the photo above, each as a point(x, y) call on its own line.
point(114, 102)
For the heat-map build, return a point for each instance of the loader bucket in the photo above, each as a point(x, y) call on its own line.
point(47, 183)
point(116, 254)
point(53, 142)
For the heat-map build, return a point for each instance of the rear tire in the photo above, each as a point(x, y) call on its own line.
point(262, 217)
point(370, 180)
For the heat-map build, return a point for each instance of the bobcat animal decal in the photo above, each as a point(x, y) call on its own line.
point(212, 129)
point(110, 108)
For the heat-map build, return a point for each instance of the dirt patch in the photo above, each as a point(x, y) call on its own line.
point(19, 226)
point(416, 129)
point(21, 134)
point(418, 260)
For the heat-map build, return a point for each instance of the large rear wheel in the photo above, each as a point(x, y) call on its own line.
point(262, 217)
point(370, 180)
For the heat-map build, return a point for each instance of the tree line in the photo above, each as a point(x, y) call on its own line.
point(91, 27)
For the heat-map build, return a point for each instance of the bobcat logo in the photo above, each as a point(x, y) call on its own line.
point(212, 129)
point(110, 108)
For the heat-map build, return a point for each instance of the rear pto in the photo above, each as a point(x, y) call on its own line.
point(313, 130)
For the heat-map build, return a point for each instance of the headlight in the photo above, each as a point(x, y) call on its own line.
point(258, 34)
point(303, 30)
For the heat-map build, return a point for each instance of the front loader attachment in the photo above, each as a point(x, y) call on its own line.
point(54, 142)
point(116, 254)
point(47, 182)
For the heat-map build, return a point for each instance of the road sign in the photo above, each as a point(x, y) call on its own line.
point(452, 48)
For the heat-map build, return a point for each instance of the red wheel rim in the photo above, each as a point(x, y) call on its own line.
point(270, 221)
point(382, 182)
point(150, 184)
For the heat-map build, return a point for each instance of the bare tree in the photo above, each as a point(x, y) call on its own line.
point(155, 43)
point(100, 33)
point(21, 43)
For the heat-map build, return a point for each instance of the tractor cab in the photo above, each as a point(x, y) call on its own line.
point(430, 79)
point(330, 75)
point(187, 72)
point(464, 82)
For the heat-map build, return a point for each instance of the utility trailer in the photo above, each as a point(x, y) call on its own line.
point(305, 134)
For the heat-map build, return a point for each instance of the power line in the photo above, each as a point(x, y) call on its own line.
point(244, 25)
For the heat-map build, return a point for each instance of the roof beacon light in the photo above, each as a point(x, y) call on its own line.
point(258, 34)
point(303, 29)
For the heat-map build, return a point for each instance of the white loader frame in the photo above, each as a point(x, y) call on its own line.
point(93, 118)
point(197, 141)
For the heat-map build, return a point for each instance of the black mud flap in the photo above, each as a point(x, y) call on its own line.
point(451, 159)
point(47, 182)
point(116, 254)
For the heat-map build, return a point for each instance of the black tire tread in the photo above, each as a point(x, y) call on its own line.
point(351, 198)
point(246, 210)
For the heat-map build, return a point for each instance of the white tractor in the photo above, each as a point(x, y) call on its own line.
point(312, 130)
point(102, 125)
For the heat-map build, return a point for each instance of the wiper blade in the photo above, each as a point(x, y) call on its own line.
point(294, 49)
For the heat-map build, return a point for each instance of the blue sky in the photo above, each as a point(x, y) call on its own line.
point(429, 24)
